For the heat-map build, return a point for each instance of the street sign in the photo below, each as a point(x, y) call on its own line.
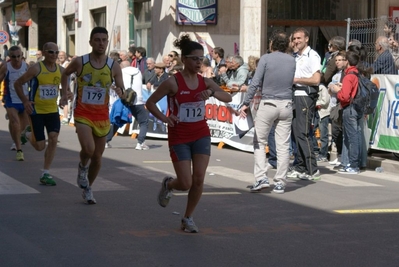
point(4, 37)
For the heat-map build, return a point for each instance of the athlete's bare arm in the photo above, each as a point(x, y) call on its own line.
point(31, 73)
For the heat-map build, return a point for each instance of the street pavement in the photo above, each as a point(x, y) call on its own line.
point(341, 220)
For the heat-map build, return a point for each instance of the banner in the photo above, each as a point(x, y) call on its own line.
point(384, 122)
point(22, 14)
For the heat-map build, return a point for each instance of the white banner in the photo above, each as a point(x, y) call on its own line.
point(384, 122)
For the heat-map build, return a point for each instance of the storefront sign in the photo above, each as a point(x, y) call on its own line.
point(196, 12)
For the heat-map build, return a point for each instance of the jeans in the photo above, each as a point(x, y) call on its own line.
point(352, 132)
point(140, 113)
point(323, 126)
point(278, 113)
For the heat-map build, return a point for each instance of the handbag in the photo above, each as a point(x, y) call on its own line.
point(336, 114)
point(130, 94)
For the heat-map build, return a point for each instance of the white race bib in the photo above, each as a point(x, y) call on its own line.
point(49, 91)
point(192, 111)
point(93, 95)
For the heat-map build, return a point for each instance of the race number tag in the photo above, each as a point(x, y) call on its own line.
point(93, 95)
point(192, 111)
point(48, 91)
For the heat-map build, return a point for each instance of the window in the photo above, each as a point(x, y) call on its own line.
point(142, 12)
point(70, 35)
point(99, 17)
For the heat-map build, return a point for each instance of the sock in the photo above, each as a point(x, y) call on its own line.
point(19, 150)
point(45, 172)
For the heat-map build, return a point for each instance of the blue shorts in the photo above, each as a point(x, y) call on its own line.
point(51, 121)
point(19, 107)
point(186, 151)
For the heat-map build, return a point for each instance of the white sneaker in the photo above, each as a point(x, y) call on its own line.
point(335, 162)
point(108, 145)
point(142, 146)
point(13, 147)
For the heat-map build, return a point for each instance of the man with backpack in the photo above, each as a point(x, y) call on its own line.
point(351, 114)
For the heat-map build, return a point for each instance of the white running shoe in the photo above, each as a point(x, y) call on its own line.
point(142, 146)
point(13, 147)
point(335, 162)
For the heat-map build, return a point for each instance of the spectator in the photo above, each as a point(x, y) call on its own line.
point(336, 44)
point(206, 69)
point(351, 117)
point(335, 108)
point(132, 56)
point(239, 72)
point(384, 64)
point(149, 73)
point(124, 56)
point(167, 61)
point(306, 82)
point(218, 56)
point(141, 59)
point(275, 75)
point(160, 76)
point(39, 56)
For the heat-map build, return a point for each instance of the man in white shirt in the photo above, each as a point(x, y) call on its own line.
point(306, 81)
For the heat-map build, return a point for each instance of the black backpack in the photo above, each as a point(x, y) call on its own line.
point(366, 97)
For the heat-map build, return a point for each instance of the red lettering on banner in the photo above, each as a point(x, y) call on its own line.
point(219, 113)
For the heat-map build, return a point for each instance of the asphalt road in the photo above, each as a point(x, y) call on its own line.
point(337, 221)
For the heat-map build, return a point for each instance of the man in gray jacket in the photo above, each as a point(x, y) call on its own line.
point(240, 73)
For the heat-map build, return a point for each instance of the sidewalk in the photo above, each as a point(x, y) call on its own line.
point(386, 160)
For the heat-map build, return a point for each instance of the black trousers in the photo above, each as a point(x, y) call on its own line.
point(303, 115)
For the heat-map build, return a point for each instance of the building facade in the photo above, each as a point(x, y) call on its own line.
point(239, 26)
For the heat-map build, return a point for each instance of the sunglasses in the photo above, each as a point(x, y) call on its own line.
point(52, 52)
point(195, 58)
point(13, 56)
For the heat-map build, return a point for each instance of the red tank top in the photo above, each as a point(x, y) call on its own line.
point(190, 109)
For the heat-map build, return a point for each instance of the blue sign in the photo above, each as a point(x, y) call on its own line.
point(196, 12)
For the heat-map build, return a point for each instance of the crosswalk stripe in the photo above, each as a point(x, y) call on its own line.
point(148, 172)
point(343, 181)
point(10, 186)
point(232, 173)
point(249, 177)
point(101, 184)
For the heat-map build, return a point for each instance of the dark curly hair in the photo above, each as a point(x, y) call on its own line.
point(280, 41)
point(186, 45)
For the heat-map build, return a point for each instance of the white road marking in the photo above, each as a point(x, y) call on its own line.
point(69, 175)
point(10, 186)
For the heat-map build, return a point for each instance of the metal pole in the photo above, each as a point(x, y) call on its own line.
point(348, 31)
point(131, 21)
point(13, 20)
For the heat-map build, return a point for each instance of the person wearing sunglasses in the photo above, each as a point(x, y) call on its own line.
point(18, 118)
point(96, 72)
point(45, 78)
point(188, 132)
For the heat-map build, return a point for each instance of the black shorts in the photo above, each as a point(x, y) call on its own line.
point(51, 121)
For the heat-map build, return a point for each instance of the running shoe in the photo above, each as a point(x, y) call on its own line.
point(64, 122)
point(108, 145)
point(293, 174)
point(315, 176)
point(258, 185)
point(20, 156)
point(82, 180)
point(47, 179)
point(87, 195)
point(165, 194)
point(279, 187)
point(24, 139)
point(142, 146)
point(188, 225)
point(13, 147)
point(350, 170)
